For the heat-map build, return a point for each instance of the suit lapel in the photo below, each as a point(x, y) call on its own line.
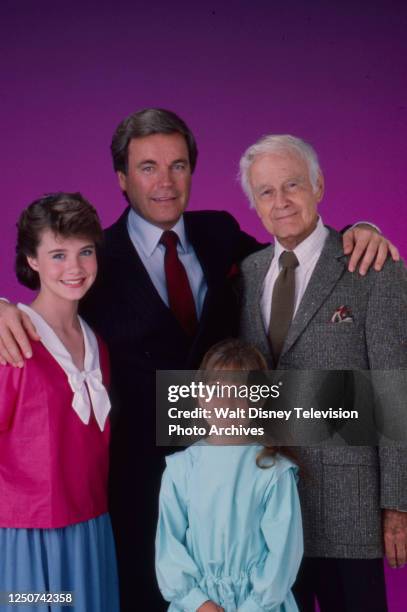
point(329, 269)
point(139, 286)
point(198, 233)
point(141, 290)
point(262, 264)
point(207, 258)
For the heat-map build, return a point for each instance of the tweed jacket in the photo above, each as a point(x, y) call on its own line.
point(346, 486)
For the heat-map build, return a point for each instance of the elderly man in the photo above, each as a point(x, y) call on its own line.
point(303, 308)
point(162, 298)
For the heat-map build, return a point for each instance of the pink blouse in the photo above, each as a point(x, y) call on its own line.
point(53, 467)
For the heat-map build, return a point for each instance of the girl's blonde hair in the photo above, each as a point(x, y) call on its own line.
point(233, 354)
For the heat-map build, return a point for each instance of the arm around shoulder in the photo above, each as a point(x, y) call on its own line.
point(16, 331)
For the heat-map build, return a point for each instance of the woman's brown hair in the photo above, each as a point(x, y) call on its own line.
point(65, 214)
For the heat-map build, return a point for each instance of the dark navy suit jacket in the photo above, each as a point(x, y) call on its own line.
point(142, 336)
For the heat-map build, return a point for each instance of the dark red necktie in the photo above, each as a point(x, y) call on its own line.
point(180, 298)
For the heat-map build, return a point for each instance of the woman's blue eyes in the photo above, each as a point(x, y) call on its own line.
point(61, 256)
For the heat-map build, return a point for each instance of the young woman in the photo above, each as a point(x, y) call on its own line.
point(55, 535)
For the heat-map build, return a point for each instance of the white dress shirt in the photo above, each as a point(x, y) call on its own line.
point(146, 240)
point(307, 253)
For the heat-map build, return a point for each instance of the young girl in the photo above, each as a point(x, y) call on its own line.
point(229, 533)
point(55, 533)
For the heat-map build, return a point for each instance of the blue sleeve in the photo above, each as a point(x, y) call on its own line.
point(282, 530)
point(177, 573)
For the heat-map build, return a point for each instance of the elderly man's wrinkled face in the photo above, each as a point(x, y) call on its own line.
point(284, 197)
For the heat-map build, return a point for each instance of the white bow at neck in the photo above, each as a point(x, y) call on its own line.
point(87, 386)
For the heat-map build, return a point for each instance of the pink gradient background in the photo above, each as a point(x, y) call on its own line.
point(332, 74)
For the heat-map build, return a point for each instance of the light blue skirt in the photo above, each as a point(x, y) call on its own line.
point(79, 558)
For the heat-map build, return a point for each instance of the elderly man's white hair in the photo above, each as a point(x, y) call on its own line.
point(278, 143)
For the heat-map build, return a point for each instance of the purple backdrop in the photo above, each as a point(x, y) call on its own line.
point(335, 75)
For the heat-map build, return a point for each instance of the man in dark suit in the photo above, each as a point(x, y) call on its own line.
point(154, 155)
point(151, 320)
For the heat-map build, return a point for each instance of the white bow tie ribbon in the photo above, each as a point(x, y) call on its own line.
point(89, 392)
point(87, 386)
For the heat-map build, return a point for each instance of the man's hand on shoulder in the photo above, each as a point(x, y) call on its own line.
point(367, 247)
point(395, 537)
point(16, 331)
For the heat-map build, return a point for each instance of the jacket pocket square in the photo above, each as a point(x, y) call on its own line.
point(342, 314)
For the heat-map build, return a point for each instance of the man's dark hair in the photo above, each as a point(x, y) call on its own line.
point(146, 123)
point(65, 214)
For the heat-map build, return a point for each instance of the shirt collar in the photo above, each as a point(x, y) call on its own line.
point(147, 236)
point(311, 246)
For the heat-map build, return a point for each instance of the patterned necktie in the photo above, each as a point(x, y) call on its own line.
point(180, 298)
point(282, 303)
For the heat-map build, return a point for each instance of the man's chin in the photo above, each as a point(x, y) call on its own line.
point(289, 239)
point(166, 223)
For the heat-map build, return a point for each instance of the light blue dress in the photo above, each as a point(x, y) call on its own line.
point(228, 530)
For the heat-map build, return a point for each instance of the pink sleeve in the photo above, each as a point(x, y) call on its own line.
point(10, 379)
